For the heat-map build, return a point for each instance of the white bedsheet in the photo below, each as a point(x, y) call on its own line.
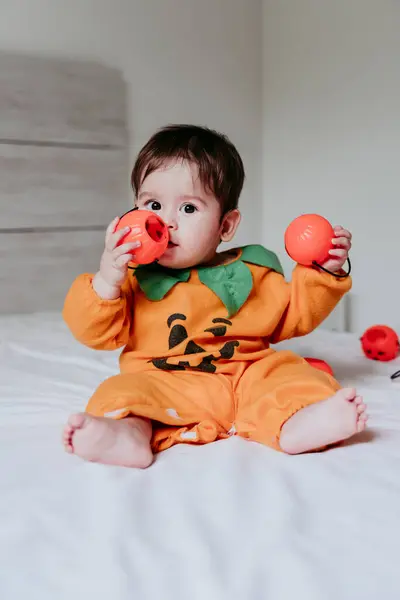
point(228, 520)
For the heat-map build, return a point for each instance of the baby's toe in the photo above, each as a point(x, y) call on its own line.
point(67, 433)
point(349, 394)
point(76, 421)
point(358, 400)
point(361, 408)
point(68, 447)
point(67, 439)
point(362, 418)
point(361, 425)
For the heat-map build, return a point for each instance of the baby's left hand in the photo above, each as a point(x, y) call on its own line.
point(339, 254)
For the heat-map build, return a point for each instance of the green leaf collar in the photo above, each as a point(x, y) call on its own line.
point(232, 283)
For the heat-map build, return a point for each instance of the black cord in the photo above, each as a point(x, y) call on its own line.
point(395, 375)
point(330, 272)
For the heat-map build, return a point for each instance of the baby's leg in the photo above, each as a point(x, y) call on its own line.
point(289, 405)
point(124, 442)
point(117, 425)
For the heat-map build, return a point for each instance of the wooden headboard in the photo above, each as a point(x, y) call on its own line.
point(64, 174)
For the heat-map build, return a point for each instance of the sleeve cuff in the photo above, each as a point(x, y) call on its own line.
point(90, 296)
point(315, 276)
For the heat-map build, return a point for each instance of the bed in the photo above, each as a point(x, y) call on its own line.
point(227, 520)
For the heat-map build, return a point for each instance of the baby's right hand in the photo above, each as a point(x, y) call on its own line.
point(114, 262)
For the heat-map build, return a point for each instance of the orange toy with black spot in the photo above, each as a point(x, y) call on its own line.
point(380, 342)
point(150, 231)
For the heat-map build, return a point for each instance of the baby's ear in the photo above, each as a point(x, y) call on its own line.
point(229, 225)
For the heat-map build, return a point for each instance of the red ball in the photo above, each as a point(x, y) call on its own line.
point(380, 342)
point(308, 239)
point(153, 235)
point(320, 364)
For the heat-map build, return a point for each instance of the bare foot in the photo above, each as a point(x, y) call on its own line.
point(124, 442)
point(324, 423)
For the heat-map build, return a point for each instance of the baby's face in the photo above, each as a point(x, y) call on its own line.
point(193, 215)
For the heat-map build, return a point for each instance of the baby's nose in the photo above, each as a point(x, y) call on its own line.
point(172, 224)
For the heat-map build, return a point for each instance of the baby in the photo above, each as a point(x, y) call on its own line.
point(196, 327)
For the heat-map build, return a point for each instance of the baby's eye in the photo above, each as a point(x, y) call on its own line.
point(189, 208)
point(153, 205)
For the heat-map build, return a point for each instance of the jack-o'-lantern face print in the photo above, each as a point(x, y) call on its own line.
point(178, 334)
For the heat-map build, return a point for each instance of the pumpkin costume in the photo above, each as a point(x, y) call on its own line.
point(196, 356)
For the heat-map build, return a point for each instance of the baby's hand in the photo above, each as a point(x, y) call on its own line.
point(114, 262)
point(342, 241)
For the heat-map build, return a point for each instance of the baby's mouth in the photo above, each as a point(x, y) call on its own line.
point(171, 244)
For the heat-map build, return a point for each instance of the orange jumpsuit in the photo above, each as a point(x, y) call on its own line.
point(201, 372)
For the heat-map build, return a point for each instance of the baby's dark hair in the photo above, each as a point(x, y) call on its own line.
point(220, 166)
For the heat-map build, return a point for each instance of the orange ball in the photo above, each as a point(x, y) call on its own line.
point(308, 239)
point(153, 234)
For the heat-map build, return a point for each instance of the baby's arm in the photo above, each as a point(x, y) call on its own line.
point(98, 308)
point(94, 321)
point(306, 301)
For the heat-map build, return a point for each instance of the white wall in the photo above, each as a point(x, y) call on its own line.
point(331, 135)
point(184, 60)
